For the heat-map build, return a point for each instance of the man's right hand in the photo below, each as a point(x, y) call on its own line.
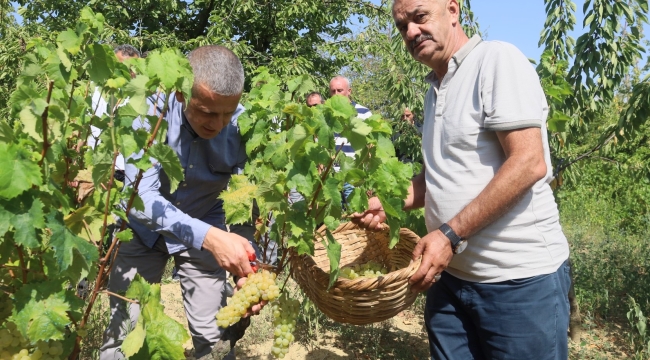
point(373, 218)
point(230, 250)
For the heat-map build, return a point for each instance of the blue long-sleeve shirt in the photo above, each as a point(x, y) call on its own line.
point(183, 217)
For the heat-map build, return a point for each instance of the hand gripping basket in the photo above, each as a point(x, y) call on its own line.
point(363, 300)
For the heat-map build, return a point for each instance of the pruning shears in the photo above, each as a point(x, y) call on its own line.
point(256, 265)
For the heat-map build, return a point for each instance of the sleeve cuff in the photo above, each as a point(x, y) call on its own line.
point(199, 230)
point(512, 125)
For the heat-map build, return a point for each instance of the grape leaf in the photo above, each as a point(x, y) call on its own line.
point(164, 336)
point(167, 157)
point(238, 200)
point(5, 220)
point(357, 200)
point(65, 245)
point(170, 67)
point(6, 132)
point(19, 171)
point(341, 107)
point(27, 218)
point(102, 161)
point(334, 254)
point(134, 341)
point(102, 64)
point(70, 41)
point(392, 178)
point(44, 314)
point(125, 235)
point(136, 89)
point(84, 220)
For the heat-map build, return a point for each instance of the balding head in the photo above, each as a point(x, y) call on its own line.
point(340, 85)
point(218, 69)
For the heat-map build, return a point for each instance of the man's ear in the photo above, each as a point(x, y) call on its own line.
point(180, 98)
point(454, 9)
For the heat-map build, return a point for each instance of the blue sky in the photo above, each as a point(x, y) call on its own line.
point(520, 22)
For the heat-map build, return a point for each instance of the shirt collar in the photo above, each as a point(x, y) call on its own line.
point(458, 57)
point(187, 125)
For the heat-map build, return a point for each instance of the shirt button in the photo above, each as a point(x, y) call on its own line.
point(184, 184)
point(191, 166)
point(178, 203)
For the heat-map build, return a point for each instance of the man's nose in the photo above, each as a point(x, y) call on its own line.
point(412, 31)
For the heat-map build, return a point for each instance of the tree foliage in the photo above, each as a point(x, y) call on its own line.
point(288, 37)
point(50, 239)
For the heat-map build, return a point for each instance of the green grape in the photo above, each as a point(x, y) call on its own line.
point(370, 269)
point(259, 286)
point(285, 312)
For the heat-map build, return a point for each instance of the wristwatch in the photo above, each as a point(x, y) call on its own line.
point(458, 244)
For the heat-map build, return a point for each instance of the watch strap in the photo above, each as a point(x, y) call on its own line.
point(451, 235)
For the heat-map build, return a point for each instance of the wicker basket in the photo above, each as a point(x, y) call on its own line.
point(363, 300)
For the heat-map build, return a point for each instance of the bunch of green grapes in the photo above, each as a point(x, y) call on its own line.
point(285, 313)
point(259, 286)
point(13, 346)
point(370, 269)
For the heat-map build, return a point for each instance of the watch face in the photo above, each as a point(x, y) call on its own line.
point(460, 247)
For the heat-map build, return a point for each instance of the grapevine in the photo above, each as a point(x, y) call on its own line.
point(50, 237)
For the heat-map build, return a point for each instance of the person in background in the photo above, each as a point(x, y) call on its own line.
point(314, 98)
point(188, 224)
point(100, 107)
point(495, 260)
point(340, 85)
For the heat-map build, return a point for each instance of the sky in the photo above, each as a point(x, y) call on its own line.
point(519, 22)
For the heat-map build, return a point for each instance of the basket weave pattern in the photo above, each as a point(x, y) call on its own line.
point(363, 300)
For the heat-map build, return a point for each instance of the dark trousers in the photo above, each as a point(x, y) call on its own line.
point(516, 319)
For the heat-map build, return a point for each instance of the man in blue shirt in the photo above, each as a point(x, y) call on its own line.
point(189, 224)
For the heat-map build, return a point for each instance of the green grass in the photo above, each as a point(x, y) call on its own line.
point(610, 265)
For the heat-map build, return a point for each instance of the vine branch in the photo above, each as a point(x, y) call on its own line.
point(21, 258)
point(46, 144)
point(120, 297)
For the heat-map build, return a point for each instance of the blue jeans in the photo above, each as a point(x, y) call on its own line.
point(516, 319)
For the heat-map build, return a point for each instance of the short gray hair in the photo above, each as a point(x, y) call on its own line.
point(218, 68)
point(127, 50)
point(341, 77)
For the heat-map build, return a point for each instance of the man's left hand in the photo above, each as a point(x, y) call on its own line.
point(255, 309)
point(436, 253)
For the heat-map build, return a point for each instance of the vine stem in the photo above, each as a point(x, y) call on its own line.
point(103, 273)
point(108, 202)
point(120, 297)
point(322, 178)
point(46, 144)
point(24, 269)
point(288, 276)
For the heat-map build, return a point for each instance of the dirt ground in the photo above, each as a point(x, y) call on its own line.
point(401, 338)
point(331, 344)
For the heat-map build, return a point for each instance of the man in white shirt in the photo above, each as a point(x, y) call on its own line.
point(495, 258)
point(340, 85)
